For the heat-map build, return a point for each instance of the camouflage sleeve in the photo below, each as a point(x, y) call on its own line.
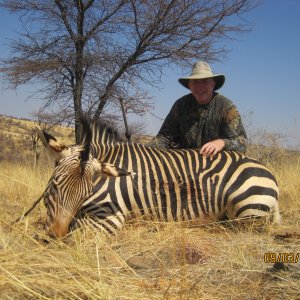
point(233, 130)
point(167, 136)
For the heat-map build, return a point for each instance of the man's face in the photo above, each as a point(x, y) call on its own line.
point(202, 89)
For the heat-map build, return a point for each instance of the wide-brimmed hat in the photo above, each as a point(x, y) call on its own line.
point(202, 70)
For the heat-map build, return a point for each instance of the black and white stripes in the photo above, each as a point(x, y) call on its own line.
point(169, 185)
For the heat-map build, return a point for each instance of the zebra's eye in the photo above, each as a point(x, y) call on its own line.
point(58, 161)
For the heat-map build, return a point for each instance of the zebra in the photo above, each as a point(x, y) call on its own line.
point(112, 181)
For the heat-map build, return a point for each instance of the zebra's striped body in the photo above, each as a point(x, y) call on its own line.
point(164, 184)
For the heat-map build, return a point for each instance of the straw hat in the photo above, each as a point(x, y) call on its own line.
point(202, 70)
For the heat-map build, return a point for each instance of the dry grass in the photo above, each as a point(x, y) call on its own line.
point(145, 260)
point(16, 142)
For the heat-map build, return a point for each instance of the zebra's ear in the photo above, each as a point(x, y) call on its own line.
point(105, 169)
point(53, 146)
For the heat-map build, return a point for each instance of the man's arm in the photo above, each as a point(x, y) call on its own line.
point(233, 130)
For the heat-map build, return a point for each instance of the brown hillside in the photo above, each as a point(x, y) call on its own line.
point(16, 142)
point(16, 138)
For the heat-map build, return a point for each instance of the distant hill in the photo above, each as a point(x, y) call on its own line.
point(16, 141)
point(16, 138)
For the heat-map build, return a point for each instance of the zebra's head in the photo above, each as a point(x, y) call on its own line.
point(72, 181)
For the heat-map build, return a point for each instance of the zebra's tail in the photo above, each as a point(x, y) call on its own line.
point(276, 215)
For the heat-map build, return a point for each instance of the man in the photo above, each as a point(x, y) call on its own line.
point(203, 119)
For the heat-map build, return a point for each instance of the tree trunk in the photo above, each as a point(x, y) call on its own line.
point(78, 89)
point(127, 133)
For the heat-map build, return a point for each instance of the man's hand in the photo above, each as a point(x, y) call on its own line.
point(212, 148)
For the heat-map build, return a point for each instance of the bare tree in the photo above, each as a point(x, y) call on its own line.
point(89, 54)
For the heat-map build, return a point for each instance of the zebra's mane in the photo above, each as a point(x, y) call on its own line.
point(95, 133)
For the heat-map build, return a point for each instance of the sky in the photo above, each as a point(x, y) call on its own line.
point(262, 74)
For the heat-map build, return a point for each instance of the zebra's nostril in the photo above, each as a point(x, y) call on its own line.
point(57, 232)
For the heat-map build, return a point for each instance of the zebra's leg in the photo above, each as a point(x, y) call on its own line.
point(276, 214)
point(108, 225)
point(106, 218)
point(255, 207)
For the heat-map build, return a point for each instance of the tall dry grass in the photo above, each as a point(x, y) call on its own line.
point(145, 260)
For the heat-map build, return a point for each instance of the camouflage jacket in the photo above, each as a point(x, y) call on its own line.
point(190, 125)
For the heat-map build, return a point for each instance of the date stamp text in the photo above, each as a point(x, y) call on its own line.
point(284, 257)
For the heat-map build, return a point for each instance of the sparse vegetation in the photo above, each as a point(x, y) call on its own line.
point(145, 260)
point(16, 143)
